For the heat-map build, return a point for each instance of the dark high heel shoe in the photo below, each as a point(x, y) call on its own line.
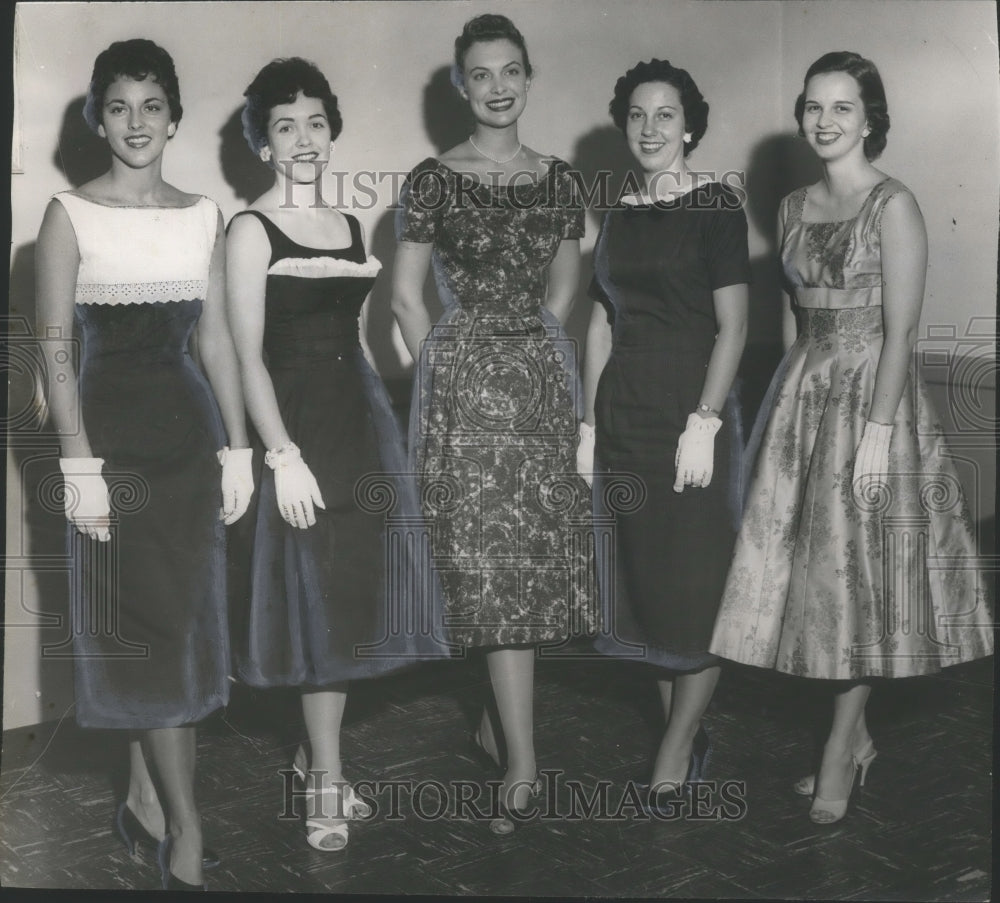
point(168, 879)
point(508, 819)
point(664, 802)
point(479, 753)
point(135, 835)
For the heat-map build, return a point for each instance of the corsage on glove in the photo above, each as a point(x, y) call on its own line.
point(295, 486)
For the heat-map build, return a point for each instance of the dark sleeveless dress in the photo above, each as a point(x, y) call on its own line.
point(320, 606)
point(148, 608)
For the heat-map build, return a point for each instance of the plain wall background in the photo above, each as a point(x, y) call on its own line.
point(388, 62)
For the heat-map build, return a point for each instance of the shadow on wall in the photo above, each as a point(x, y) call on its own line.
point(81, 156)
point(778, 165)
point(246, 174)
point(604, 164)
point(448, 122)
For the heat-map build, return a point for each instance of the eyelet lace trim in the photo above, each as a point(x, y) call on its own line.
point(324, 267)
point(140, 292)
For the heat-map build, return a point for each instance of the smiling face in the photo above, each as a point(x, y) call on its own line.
point(135, 121)
point(298, 139)
point(833, 116)
point(495, 82)
point(654, 126)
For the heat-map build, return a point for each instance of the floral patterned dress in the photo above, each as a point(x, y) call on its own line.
point(825, 583)
point(496, 408)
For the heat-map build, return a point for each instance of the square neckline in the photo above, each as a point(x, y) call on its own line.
point(348, 247)
point(836, 222)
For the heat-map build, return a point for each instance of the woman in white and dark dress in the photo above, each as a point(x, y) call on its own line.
point(664, 343)
point(494, 421)
point(320, 612)
point(140, 265)
point(852, 489)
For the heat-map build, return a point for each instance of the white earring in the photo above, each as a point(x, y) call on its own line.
point(687, 137)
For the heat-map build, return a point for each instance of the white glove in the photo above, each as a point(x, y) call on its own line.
point(86, 496)
point(294, 485)
point(237, 482)
point(871, 462)
point(585, 453)
point(695, 457)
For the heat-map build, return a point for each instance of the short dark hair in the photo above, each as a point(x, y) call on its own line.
point(870, 87)
point(489, 27)
point(138, 59)
point(281, 81)
point(695, 106)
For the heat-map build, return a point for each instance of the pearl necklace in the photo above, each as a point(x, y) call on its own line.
point(483, 153)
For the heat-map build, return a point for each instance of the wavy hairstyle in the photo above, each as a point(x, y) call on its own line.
point(870, 87)
point(138, 59)
point(695, 106)
point(281, 81)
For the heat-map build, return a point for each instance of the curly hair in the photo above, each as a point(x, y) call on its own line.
point(281, 81)
point(488, 27)
point(138, 59)
point(695, 106)
point(870, 87)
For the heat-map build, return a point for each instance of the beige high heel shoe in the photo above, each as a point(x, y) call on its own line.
point(806, 786)
point(828, 812)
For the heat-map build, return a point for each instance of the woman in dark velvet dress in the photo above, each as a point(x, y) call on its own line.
point(663, 347)
point(140, 265)
point(319, 608)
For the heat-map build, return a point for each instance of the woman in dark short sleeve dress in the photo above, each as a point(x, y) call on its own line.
point(143, 427)
point(664, 343)
point(494, 422)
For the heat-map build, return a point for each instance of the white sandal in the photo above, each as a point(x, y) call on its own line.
point(353, 807)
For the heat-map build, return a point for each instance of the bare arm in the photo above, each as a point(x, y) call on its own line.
point(731, 305)
point(410, 271)
point(248, 251)
point(904, 268)
point(57, 259)
point(215, 346)
point(564, 276)
point(789, 323)
point(599, 341)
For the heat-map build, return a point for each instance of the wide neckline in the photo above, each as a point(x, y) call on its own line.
point(81, 197)
point(346, 247)
point(837, 222)
point(479, 183)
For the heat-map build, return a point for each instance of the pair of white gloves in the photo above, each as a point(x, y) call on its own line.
point(693, 460)
point(695, 453)
point(85, 493)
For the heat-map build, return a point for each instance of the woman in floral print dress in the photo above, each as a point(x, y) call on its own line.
point(495, 413)
point(852, 491)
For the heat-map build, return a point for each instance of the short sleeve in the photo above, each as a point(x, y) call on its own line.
point(600, 296)
point(727, 252)
point(568, 199)
point(421, 201)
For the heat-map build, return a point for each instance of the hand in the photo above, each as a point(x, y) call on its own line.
point(871, 462)
point(294, 485)
point(695, 457)
point(237, 482)
point(585, 453)
point(86, 496)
